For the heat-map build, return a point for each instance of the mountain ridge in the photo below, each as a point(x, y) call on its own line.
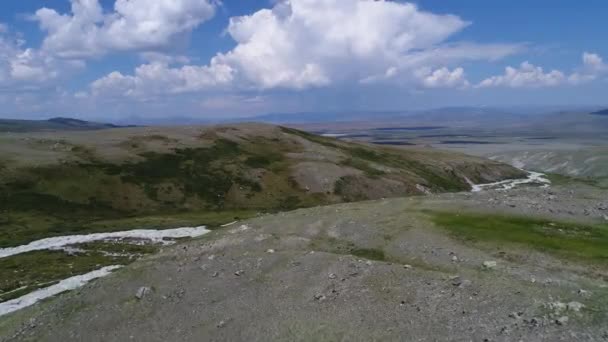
point(53, 124)
point(600, 112)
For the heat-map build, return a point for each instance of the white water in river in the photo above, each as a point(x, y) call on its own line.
point(533, 178)
point(57, 242)
point(62, 286)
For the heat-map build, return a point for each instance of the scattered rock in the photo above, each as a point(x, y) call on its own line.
point(454, 258)
point(466, 283)
point(562, 320)
point(459, 282)
point(270, 251)
point(221, 324)
point(489, 264)
point(559, 307)
point(575, 306)
point(215, 274)
point(142, 292)
point(533, 322)
point(242, 228)
point(332, 276)
point(456, 280)
point(239, 273)
point(516, 315)
point(180, 293)
point(320, 297)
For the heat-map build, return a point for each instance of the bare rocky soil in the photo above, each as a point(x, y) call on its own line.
point(377, 270)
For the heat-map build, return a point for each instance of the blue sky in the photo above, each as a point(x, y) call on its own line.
point(115, 59)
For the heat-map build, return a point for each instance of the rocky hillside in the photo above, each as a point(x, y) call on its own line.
point(49, 179)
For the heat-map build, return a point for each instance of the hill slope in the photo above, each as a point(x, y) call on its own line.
point(61, 182)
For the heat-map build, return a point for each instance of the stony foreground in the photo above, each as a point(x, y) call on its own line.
point(376, 270)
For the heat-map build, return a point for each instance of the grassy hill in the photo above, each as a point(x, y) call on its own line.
point(65, 182)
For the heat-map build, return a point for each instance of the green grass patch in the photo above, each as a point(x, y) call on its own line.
point(211, 219)
point(289, 203)
point(363, 166)
point(347, 187)
point(263, 161)
point(337, 246)
point(327, 142)
point(578, 241)
point(369, 253)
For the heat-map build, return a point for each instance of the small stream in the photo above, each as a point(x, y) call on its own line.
point(58, 242)
point(508, 184)
point(62, 286)
point(64, 242)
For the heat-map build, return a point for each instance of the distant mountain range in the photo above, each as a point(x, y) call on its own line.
point(497, 117)
point(601, 112)
point(54, 124)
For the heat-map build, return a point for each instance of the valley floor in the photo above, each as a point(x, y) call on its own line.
point(525, 264)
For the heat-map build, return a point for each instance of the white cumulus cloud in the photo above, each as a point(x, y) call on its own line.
point(593, 67)
point(301, 44)
point(27, 68)
point(159, 78)
point(527, 75)
point(132, 25)
point(443, 78)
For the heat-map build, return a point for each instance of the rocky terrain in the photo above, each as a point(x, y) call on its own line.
point(488, 266)
point(518, 260)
